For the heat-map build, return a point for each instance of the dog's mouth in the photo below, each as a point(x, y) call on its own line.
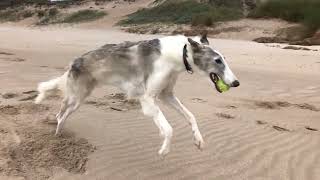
point(219, 84)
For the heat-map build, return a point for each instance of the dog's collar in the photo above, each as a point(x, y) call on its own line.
point(185, 61)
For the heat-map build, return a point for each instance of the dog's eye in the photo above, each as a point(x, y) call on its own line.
point(218, 61)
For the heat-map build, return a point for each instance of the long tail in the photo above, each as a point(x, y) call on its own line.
point(44, 88)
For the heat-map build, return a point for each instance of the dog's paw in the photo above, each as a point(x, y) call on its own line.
point(198, 140)
point(163, 151)
point(58, 134)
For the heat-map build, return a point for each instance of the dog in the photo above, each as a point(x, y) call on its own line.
point(145, 70)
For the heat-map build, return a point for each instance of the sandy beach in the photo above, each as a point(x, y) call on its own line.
point(266, 129)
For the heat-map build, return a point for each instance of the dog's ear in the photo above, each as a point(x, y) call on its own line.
point(195, 45)
point(203, 38)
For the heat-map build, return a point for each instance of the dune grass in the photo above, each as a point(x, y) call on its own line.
point(51, 16)
point(9, 15)
point(302, 11)
point(83, 16)
point(16, 14)
point(184, 12)
point(48, 16)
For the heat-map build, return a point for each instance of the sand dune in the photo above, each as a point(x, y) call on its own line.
point(266, 129)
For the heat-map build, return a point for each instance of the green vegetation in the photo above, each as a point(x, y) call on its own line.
point(16, 14)
point(185, 12)
point(47, 16)
point(27, 14)
point(50, 16)
point(226, 3)
point(37, 1)
point(53, 16)
point(217, 14)
point(53, 12)
point(41, 13)
point(8, 15)
point(83, 16)
point(302, 11)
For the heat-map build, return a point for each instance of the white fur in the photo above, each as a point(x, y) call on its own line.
point(44, 88)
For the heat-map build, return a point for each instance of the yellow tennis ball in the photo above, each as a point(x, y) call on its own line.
point(222, 86)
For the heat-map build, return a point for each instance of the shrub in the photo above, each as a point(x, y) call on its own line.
point(83, 16)
point(312, 18)
point(202, 19)
point(53, 12)
point(226, 3)
point(47, 16)
point(27, 14)
point(41, 13)
point(14, 14)
point(36, 1)
point(43, 21)
point(183, 12)
point(303, 11)
point(9, 15)
point(63, 4)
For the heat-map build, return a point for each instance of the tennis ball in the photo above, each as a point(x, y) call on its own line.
point(222, 86)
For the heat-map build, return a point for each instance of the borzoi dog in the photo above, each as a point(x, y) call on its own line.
point(145, 70)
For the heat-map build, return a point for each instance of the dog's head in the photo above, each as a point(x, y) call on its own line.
point(211, 62)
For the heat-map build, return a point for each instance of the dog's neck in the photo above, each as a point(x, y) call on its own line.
point(176, 49)
point(185, 60)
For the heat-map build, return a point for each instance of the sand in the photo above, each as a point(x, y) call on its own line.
point(266, 129)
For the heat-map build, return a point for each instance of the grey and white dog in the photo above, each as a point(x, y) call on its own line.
point(145, 70)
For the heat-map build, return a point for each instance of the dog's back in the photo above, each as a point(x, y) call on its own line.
point(126, 65)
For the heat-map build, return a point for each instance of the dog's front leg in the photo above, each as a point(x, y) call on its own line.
point(168, 97)
point(155, 84)
point(173, 101)
point(149, 108)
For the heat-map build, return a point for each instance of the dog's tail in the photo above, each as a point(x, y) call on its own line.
point(44, 88)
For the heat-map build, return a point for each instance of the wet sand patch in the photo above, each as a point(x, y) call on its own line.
point(284, 104)
point(225, 116)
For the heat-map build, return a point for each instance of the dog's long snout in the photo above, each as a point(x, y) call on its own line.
point(235, 83)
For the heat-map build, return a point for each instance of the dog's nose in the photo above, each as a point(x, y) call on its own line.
point(235, 83)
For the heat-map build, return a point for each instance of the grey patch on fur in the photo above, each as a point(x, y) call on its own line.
point(205, 58)
point(76, 67)
point(204, 40)
point(148, 50)
point(127, 64)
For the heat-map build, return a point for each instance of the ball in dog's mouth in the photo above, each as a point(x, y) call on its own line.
point(220, 85)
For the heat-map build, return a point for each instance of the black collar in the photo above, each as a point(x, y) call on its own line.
point(185, 61)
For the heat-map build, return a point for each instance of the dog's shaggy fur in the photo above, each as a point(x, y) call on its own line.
point(145, 70)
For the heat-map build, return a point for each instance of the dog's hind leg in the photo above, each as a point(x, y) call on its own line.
point(170, 99)
point(72, 105)
point(78, 90)
point(63, 107)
